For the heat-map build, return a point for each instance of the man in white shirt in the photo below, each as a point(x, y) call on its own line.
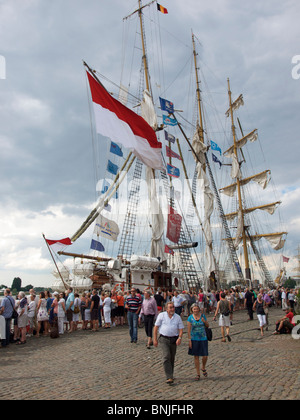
point(178, 302)
point(283, 299)
point(170, 327)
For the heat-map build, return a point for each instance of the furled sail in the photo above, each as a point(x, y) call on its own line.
point(253, 136)
point(200, 150)
point(239, 102)
point(262, 179)
point(157, 244)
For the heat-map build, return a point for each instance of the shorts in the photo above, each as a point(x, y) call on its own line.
point(94, 315)
point(69, 315)
point(120, 311)
point(224, 321)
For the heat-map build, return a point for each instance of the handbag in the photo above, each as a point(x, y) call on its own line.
point(209, 333)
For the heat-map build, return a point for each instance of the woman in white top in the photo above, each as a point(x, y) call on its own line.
point(107, 310)
point(61, 313)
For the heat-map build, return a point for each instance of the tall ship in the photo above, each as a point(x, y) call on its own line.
point(159, 220)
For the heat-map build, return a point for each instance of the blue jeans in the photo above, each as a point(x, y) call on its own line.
point(133, 325)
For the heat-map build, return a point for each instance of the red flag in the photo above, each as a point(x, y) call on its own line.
point(121, 125)
point(174, 226)
point(168, 250)
point(65, 241)
point(285, 259)
point(170, 153)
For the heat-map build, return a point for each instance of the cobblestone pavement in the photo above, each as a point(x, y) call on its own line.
point(104, 365)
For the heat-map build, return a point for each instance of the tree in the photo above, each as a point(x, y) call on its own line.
point(16, 284)
point(27, 288)
point(290, 283)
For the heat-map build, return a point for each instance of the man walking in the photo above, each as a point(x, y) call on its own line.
point(178, 302)
point(249, 301)
point(133, 305)
point(170, 327)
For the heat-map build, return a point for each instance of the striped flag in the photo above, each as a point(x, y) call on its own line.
point(162, 9)
point(123, 126)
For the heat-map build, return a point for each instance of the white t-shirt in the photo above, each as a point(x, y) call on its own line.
point(106, 304)
point(61, 312)
point(31, 308)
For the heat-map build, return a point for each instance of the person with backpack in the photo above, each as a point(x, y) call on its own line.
point(6, 310)
point(224, 307)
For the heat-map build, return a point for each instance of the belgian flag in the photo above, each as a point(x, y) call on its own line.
point(162, 9)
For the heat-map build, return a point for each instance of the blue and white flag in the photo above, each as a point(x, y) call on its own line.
point(173, 171)
point(166, 105)
point(214, 146)
point(97, 246)
point(116, 149)
point(112, 168)
point(169, 137)
point(216, 160)
point(105, 187)
point(169, 121)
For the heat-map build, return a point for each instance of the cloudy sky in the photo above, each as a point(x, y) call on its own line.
point(46, 165)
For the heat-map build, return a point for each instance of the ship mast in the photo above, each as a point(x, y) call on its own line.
point(145, 61)
point(235, 150)
point(201, 137)
point(201, 131)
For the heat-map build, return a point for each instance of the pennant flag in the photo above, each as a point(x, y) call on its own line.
point(162, 9)
point(106, 228)
point(285, 259)
point(112, 168)
point(174, 225)
point(168, 250)
point(97, 246)
point(166, 105)
point(115, 149)
point(214, 146)
point(169, 137)
point(169, 121)
point(121, 125)
point(216, 160)
point(170, 153)
point(173, 171)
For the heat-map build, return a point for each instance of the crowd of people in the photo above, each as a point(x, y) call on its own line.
point(161, 313)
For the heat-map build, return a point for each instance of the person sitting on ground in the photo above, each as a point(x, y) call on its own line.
point(286, 324)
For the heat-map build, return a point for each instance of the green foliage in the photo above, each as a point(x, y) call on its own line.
point(16, 284)
point(290, 284)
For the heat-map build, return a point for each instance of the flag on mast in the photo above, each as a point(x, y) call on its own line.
point(58, 244)
point(123, 126)
point(162, 9)
point(285, 259)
